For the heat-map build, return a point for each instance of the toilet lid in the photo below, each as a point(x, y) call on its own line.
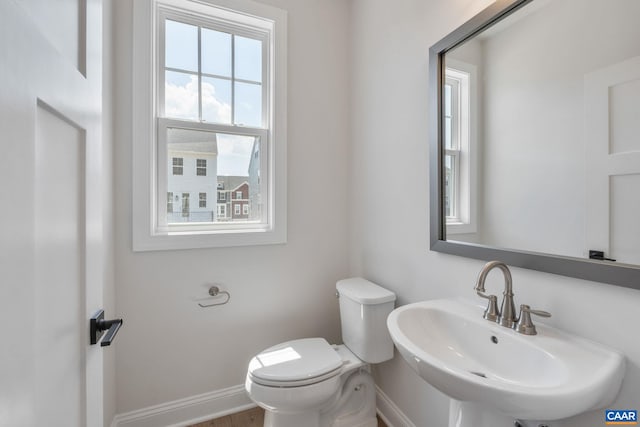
point(293, 361)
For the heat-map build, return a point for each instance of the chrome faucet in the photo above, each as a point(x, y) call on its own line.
point(506, 316)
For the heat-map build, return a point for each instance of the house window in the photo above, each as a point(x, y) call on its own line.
point(245, 209)
point(238, 194)
point(236, 209)
point(169, 202)
point(459, 137)
point(202, 200)
point(222, 195)
point(220, 95)
point(201, 167)
point(222, 211)
point(178, 165)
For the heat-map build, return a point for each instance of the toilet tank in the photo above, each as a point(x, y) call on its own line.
point(364, 308)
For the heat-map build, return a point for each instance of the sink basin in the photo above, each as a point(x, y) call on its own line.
point(549, 376)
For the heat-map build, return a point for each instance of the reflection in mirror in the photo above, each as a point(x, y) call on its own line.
point(541, 131)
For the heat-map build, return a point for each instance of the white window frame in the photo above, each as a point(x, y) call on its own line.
point(464, 78)
point(201, 168)
point(245, 209)
point(148, 232)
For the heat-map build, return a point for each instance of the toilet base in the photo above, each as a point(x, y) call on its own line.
point(275, 419)
point(354, 406)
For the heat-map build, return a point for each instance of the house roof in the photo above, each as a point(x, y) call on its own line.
point(232, 182)
point(192, 140)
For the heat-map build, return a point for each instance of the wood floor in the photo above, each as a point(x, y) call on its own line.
point(250, 418)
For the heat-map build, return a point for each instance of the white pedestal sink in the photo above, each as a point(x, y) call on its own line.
point(492, 371)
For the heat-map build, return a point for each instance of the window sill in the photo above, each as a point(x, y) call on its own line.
point(176, 240)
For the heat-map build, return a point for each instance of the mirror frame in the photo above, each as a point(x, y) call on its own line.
point(625, 275)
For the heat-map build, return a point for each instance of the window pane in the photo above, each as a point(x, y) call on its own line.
point(216, 100)
point(232, 164)
point(447, 133)
point(181, 46)
point(216, 53)
point(248, 59)
point(447, 100)
point(181, 95)
point(248, 104)
point(449, 185)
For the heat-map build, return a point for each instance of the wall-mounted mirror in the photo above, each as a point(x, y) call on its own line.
point(535, 138)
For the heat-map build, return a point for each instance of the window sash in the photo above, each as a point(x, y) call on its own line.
point(215, 24)
point(162, 177)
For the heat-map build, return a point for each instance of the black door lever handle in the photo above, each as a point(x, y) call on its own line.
point(97, 326)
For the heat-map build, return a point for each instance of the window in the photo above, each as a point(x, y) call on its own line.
point(169, 202)
point(236, 209)
point(201, 167)
point(218, 110)
point(222, 196)
point(245, 209)
point(459, 137)
point(202, 200)
point(178, 165)
point(222, 211)
point(238, 194)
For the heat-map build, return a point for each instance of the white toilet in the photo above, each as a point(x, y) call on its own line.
point(310, 383)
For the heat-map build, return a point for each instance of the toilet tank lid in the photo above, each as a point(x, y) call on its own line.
point(363, 291)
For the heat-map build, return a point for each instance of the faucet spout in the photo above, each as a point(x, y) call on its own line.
point(506, 316)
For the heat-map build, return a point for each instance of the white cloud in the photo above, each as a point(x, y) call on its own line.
point(181, 101)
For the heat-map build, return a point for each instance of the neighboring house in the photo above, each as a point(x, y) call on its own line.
point(191, 179)
point(233, 198)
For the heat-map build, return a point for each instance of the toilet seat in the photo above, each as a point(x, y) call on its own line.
point(295, 363)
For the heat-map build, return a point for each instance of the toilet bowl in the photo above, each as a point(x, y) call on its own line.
point(310, 383)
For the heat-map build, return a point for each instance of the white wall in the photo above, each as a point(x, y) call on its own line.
point(389, 245)
point(169, 348)
point(534, 129)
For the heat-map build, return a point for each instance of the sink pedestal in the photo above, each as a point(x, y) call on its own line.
point(471, 414)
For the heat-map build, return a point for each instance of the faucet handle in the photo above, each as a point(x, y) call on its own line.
point(491, 313)
point(525, 325)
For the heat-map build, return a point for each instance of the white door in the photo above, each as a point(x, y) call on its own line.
point(50, 222)
point(612, 135)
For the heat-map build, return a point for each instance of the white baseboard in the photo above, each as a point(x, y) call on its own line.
point(389, 411)
point(207, 406)
point(190, 410)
